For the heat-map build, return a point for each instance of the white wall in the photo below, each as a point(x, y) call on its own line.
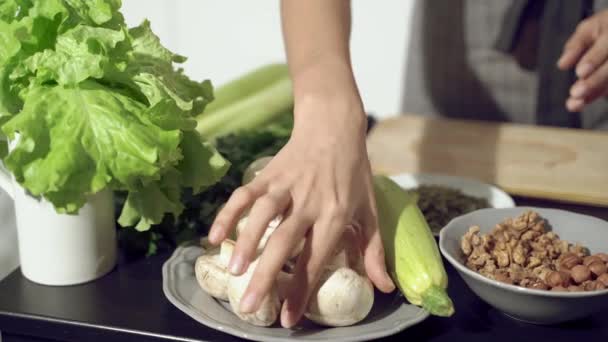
point(223, 39)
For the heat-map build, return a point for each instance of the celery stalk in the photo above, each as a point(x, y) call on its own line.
point(253, 110)
point(246, 85)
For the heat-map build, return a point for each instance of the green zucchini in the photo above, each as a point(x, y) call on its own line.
point(412, 255)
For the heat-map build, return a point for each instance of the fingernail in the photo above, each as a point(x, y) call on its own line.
point(583, 70)
point(389, 282)
point(236, 264)
point(574, 105)
point(287, 319)
point(578, 90)
point(248, 303)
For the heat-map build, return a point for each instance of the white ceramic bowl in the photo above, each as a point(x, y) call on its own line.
point(533, 306)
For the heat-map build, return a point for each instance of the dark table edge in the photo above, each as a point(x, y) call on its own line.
point(17, 324)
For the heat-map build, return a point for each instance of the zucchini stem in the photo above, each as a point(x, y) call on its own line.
point(436, 301)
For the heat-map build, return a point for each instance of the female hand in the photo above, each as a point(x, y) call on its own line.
point(321, 180)
point(587, 49)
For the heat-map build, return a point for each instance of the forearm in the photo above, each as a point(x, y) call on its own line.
point(316, 34)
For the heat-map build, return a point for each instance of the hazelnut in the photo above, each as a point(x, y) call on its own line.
point(580, 273)
point(603, 279)
point(556, 278)
point(503, 278)
point(569, 260)
point(559, 289)
point(598, 268)
point(603, 256)
point(575, 288)
point(588, 260)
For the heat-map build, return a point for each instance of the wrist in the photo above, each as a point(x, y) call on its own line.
point(326, 92)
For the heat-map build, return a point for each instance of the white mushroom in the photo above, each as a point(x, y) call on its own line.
point(272, 226)
point(212, 274)
point(344, 295)
point(269, 309)
point(344, 298)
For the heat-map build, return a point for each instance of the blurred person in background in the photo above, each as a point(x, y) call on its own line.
point(527, 61)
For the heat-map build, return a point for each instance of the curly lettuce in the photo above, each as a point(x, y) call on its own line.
point(93, 104)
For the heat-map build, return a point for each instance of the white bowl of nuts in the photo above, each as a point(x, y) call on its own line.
point(536, 265)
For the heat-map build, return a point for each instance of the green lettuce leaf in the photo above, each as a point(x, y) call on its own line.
point(75, 141)
point(96, 105)
point(202, 165)
point(81, 53)
point(14, 9)
point(147, 206)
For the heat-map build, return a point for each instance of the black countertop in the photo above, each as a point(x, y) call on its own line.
point(128, 304)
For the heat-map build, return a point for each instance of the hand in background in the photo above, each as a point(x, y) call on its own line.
point(587, 51)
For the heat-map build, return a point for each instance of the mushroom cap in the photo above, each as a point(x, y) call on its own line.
point(344, 298)
point(272, 226)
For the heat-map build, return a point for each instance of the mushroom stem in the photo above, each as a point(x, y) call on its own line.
point(269, 309)
point(212, 274)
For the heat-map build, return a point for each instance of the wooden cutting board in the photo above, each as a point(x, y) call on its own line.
point(568, 165)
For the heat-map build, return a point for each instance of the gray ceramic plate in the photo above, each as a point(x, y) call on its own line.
point(390, 313)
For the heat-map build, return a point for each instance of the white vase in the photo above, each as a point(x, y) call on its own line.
point(62, 249)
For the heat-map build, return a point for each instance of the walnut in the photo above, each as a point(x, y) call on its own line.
point(516, 273)
point(502, 258)
point(529, 235)
point(520, 225)
point(466, 244)
point(539, 227)
point(522, 252)
point(551, 236)
point(533, 261)
point(519, 256)
point(563, 246)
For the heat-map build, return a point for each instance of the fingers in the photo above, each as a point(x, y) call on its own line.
point(240, 200)
point(375, 263)
point(265, 209)
point(593, 58)
point(576, 46)
point(277, 251)
point(575, 105)
point(585, 91)
point(322, 237)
